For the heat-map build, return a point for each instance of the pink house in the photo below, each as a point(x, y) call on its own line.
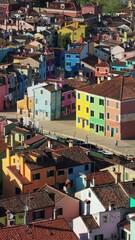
point(63, 204)
point(92, 8)
point(4, 93)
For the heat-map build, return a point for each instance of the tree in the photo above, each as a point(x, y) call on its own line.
point(64, 40)
point(110, 6)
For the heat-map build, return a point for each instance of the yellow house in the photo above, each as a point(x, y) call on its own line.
point(25, 107)
point(82, 110)
point(75, 29)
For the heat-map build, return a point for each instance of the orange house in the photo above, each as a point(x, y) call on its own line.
point(28, 172)
point(102, 71)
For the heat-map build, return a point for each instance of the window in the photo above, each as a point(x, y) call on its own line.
point(101, 102)
point(59, 212)
point(87, 122)
point(77, 55)
point(61, 185)
point(71, 183)
point(68, 64)
point(92, 99)
point(21, 110)
point(14, 160)
point(86, 167)
point(87, 110)
point(68, 56)
point(92, 125)
point(50, 173)
point(46, 102)
point(73, 105)
point(46, 114)
point(36, 112)
point(117, 105)
point(108, 115)
point(70, 170)
point(101, 128)
point(108, 103)
point(97, 69)
point(99, 237)
point(38, 215)
point(69, 96)
point(79, 96)
point(126, 176)
point(17, 190)
point(36, 100)
point(117, 130)
point(41, 91)
point(87, 98)
point(36, 176)
point(89, 194)
point(117, 118)
point(20, 137)
point(108, 128)
point(101, 115)
point(104, 219)
point(60, 172)
point(106, 70)
point(92, 113)
point(63, 98)
point(79, 108)
point(78, 119)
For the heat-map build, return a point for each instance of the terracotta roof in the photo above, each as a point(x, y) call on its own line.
point(114, 194)
point(90, 222)
point(72, 156)
point(20, 130)
point(3, 145)
point(34, 139)
point(43, 160)
point(23, 180)
point(102, 64)
point(101, 178)
point(50, 87)
point(129, 188)
point(46, 230)
point(118, 63)
point(58, 194)
point(76, 50)
point(90, 60)
point(119, 88)
point(125, 225)
point(37, 200)
point(54, 144)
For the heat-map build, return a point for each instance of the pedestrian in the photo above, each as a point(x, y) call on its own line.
point(116, 143)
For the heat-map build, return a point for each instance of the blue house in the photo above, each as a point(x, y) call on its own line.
point(118, 66)
point(73, 58)
point(75, 162)
point(59, 54)
point(47, 102)
point(130, 62)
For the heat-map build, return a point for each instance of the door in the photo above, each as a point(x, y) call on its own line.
point(112, 132)
point(96, 128)
point(83, 123)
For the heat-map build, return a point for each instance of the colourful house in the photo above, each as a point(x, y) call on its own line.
point(108, 108)
point(67, 100)
point(75, 29)
point(73, 58)
point(29, 171)
point(35, 208)
point(102, 71)
point(47, 102)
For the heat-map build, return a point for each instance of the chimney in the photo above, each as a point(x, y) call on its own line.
point(41, 58)
point(47, 4)
point(99, 61)
point(81, 39)
point(49, 144)
point(8, 155)
point(68, 47)
point(56, 86)
point(32, 50)
point(71, 143)
point(10, 37)
point(6, 138)
point(117, 37)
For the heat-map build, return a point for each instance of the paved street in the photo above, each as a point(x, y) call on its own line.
point(66, 127)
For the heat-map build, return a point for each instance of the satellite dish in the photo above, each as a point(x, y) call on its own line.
point(26, 208)
point(10, 216)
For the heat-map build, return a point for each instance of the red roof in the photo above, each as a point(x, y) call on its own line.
point(17, 174)
point(45, 230)
point(125, 224)
point(101, 178)
point(34, 139)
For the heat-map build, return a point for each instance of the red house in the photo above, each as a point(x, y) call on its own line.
point(102, 71)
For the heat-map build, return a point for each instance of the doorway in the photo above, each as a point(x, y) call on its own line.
point(112, 132)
